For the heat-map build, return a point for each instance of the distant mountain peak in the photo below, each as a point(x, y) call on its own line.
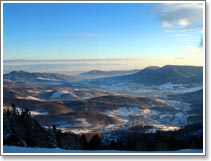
point(18, 72)
point(103, 74)
point(176, 74)
point(152, 67)
point(36, 76)
point(94, 72)
point(180, 66)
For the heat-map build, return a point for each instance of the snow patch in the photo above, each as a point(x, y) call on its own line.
point(82, 122)
point(125, 111)
point(34, 113)
point(58, 94)
point(16, 149)
point(164, 128)
point(160, 100)
point(30, 98)
point(164, 116)
point(81, 131)
point(48, 79)
point(168, 86)
point(33, 91)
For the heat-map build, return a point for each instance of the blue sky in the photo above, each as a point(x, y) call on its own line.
point(157, 33)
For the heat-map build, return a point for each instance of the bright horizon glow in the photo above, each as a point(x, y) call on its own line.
point(146, 34)
point(76, 66)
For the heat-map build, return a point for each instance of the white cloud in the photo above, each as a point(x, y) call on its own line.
point(181, 16)
point(183, 22)
point(192, 49)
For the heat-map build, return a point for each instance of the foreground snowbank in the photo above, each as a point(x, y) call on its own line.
point(15, 149)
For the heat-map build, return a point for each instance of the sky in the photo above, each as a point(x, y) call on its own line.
point(144, 33)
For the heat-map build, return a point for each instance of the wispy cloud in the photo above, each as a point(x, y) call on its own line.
point(86, 35)
point(178, 58)
point(175, 28)
point(180, 16)
point(193, 49)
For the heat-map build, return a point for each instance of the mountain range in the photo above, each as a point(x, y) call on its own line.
point(167, 96)
point(103, 74)
point(166, 74)
point(22, 76)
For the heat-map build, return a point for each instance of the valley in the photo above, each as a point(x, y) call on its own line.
point(106, 105)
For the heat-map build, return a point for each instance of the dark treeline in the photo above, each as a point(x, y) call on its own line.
point(20, 129)
point(188, 137)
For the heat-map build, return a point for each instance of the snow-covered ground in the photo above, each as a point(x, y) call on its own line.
point(29, 98)
point(142, 90)
point(128, 116)
point(48, 79)
point(163, 128)
point(33, 113)
point(58, 94)
point(81, 122)
point(126, 111)
point(135, 116)
point(170, 119)
point(14, 150)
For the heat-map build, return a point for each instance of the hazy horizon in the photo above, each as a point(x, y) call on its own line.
point(76, 66)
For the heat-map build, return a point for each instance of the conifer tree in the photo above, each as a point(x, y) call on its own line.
point(52, 139)
point(95, 142)
point(84, 143)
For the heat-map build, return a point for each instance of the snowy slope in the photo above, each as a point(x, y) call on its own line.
point(15, 149)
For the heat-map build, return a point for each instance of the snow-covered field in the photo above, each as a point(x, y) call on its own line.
point(135, 116)
point(128, 116)
point(142, 90)
point(126, 111)
point(15, 150)
point(173, 117)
